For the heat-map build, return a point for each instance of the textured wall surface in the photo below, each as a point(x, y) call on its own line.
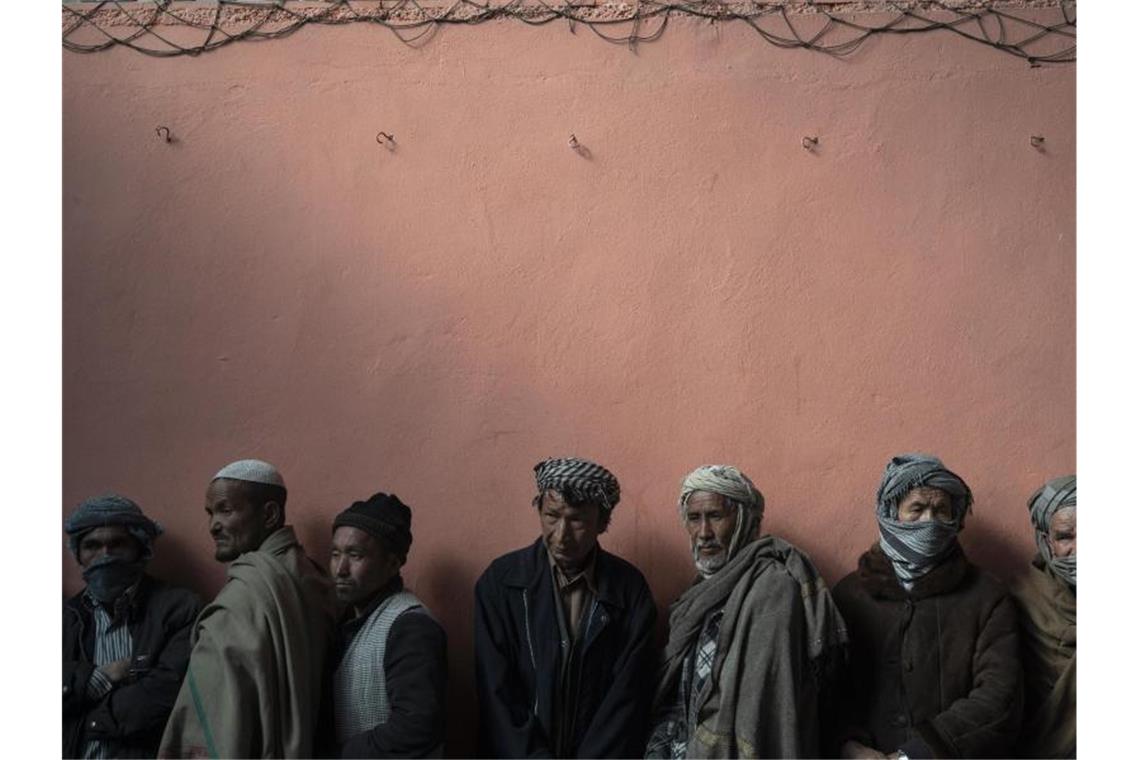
point(690, 286)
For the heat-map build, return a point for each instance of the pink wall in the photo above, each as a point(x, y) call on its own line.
point(433, 321)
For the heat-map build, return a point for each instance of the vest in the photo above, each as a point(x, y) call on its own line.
point(359, 691)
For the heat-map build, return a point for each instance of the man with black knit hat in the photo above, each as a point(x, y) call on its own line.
point(126, 636)
point(564, 630)
point(391, 670)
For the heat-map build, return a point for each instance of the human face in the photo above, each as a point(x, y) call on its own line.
point(1063, 532)
point(111, 540)
point(570, 532)
point(923, 504)
point(237, 525)
point(710, 522)
point(360, 566)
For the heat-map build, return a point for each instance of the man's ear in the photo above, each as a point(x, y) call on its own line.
point(274, 515)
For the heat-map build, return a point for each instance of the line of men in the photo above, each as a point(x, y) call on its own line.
point(918, 653)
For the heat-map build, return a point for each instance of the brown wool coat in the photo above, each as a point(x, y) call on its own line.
point(1048, 610)
point(935, 672)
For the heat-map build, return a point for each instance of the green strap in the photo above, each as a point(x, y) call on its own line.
point(210, 749)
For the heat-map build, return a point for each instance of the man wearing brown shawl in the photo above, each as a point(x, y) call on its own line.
point(752, 643)
point(1046, 598)
point(254, 684)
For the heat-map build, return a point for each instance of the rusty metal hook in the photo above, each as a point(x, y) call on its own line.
point(809, 143)
point(391, 140)
point(1037, 141)
point(573, 141)
point(163, 132)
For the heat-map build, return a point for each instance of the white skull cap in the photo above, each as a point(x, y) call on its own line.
point(252, 471)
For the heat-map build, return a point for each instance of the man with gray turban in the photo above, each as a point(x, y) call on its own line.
point(1046, 597)
point(254, 684)
point(126, 636)
point(753, 643)
point(564, 630)
point(935, 670)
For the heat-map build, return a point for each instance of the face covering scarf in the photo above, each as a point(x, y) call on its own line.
point(109, 577)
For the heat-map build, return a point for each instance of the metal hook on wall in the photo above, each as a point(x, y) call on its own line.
point(572, 142)
point(387, 140)
point(1037, 141)
point(809, 143)
point(163, 132)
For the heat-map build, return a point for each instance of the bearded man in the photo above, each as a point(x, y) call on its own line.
point(1046, 597)
point(564, 630)
point(126, 636)
point(254, 684)
point(753, 643)
point(935, 669)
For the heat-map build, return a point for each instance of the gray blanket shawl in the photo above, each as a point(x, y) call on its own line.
point(779, 632)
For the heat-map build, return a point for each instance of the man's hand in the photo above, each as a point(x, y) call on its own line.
point(856, 751)
point(117, 671)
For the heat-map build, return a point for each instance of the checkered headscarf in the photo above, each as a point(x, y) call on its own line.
point(580, 479)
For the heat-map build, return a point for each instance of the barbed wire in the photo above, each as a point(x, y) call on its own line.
point(839, 31)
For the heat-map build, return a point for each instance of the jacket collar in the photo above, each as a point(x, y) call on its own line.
point(137, 595)
point(529, 567)
point(878, 576)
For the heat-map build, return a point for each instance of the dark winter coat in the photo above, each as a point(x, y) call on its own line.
point(518, 660)
point(936, 671)
point(134, 713)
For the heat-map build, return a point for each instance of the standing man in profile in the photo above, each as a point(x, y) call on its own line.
point(253, 687)
point(390, 674)
point(564, 630)
point(126, 636)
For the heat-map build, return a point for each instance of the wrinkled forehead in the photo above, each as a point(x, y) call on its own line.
point(227, 490)
point(926, 495)
point(553, 501)
point(702, 501)
point(1064, 518)
point(106, 534)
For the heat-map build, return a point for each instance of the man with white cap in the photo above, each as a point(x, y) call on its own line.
point(254, 684)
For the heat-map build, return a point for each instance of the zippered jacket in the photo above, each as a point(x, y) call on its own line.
point(132, 714)
point(518, 667)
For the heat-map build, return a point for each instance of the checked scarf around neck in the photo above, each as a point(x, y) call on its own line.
point(916, 548)
point(1057, 494)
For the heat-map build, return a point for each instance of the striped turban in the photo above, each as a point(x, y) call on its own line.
point(109, 510)
point(579, 480)
point(1057, 494)
point(741, 493)
point(916, 548)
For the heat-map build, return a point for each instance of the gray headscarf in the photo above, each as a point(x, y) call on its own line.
point(734, 485)
point(1057, 494)
point(916, 548)
point(111, 509)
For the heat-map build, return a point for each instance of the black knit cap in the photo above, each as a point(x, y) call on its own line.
point(383, 517)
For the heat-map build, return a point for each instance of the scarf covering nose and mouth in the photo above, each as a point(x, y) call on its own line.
point(581, 479)
point(734, 485)
point(1057, 494)
point(916, 548)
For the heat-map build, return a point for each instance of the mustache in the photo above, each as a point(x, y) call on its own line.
point(710, 544)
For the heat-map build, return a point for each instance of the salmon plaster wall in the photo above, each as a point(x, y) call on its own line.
point(689, 286)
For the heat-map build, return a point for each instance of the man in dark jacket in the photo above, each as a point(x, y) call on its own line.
point(564, 631)
point(126, 636)
point(390, 673)
point(935, 668)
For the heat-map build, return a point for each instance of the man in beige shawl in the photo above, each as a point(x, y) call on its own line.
point(1046, 597)
point(753, 643)
point(253, 686)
